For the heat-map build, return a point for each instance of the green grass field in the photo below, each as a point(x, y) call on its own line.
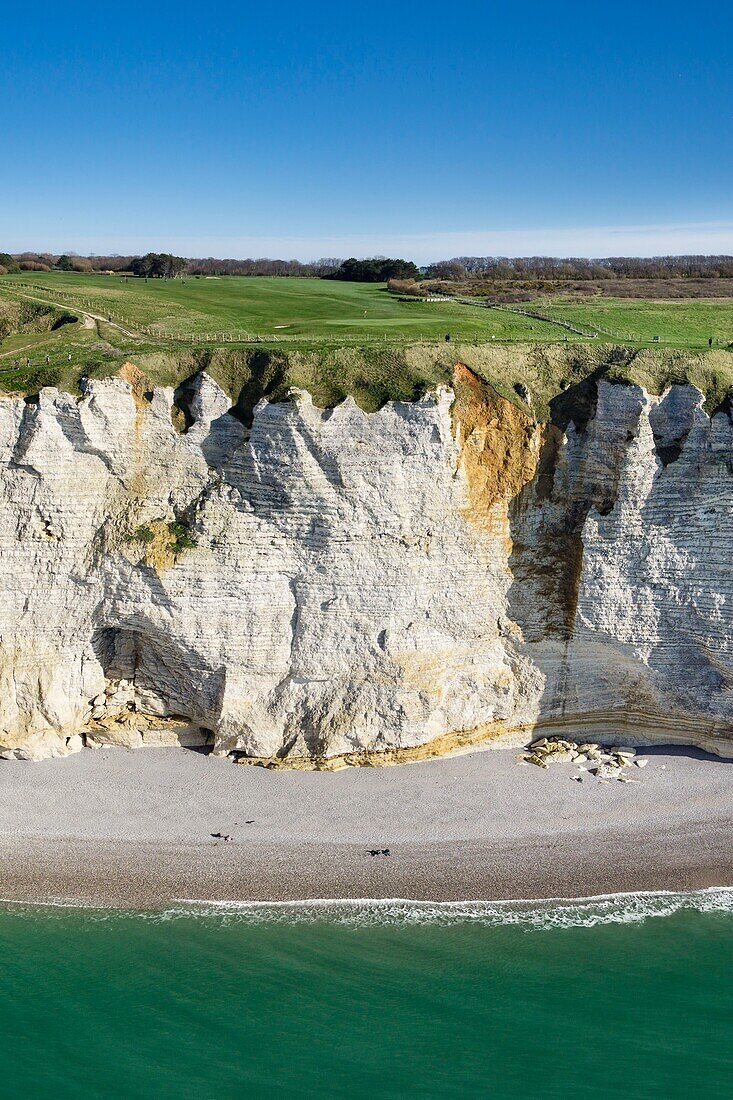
point(312, 312)
point(687, 323)
point(291, 312)
point(260, 336)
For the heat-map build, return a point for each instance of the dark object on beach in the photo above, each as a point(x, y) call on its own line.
point(222, 836)
point(379, 851)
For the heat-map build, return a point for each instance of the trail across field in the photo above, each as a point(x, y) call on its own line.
point(271, 310)
point(296, 312)
point(15, 350)
point(90, 319)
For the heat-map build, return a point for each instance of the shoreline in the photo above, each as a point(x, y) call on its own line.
point(134, 830)
point(122, 877)
point(616, 907)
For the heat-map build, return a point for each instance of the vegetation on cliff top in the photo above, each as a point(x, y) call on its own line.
point(344, 338)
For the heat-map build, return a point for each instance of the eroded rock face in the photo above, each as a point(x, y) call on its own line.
point(622, 565)
point(335, 583)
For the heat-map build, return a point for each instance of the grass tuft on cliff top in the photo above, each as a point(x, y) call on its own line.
point(374, 376)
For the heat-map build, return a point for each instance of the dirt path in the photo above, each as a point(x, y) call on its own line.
point(84, 313)
point(27, 347)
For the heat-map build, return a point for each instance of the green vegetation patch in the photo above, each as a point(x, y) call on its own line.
point(291, 312)
point(688, 323)
point(19, 317)
point(335, 339)
point(143, 534)
point(557, 377)
point(181, 538)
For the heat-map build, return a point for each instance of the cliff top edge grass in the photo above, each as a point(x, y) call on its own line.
point(37, 351)
point(546, 381)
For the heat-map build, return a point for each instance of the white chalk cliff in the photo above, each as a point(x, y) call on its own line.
point(334, 584)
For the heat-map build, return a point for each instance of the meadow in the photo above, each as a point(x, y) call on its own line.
point(260, 336)
point(686, 323)
point(273, 310)
point(312, 312)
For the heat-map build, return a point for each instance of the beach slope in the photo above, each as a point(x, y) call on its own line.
point(137, 829)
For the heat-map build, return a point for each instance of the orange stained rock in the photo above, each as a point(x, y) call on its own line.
point(499, 448)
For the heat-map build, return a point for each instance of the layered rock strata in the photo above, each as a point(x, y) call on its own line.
point(334, 585)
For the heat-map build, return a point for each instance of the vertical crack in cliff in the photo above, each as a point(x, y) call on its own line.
point(561, 551)
point(140, 389)
point(510, 460)
point(579, 468)
point(671, 422)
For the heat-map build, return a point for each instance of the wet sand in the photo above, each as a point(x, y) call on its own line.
point(135, 829)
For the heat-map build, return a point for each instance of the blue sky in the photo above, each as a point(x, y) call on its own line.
point(333, 128)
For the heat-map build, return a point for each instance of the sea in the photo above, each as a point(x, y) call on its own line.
point(627, 996)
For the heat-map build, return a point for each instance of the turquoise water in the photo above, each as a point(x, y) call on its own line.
point(624, 997)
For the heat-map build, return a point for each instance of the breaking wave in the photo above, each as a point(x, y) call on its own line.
point(546, 914)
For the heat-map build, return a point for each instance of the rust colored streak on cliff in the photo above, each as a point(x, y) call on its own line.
point(499, 448)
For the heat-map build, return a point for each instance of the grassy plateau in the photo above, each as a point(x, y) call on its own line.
point(259, 336)
point(272, 310)
point(688, 323)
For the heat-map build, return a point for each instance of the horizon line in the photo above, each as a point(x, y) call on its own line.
point(599, 242)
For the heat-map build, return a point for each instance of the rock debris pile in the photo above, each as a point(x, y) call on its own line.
point(117, 721)
point(118, 695)
point(603, 763)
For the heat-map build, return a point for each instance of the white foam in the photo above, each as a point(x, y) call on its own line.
point(532, 914)
point(622, 908)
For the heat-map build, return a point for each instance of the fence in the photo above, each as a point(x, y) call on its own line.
point(590, 332)
point(75, 301)
point(156, 331)
point(634, 337)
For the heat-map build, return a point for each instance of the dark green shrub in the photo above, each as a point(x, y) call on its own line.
point(184, 540)
point(142, 534)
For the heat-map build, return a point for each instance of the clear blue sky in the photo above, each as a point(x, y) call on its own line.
point(329, 128)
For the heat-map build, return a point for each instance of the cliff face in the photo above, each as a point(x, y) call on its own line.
point(336, 584)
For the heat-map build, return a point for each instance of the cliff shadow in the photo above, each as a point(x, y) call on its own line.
point(546, 518)
point(166, 679)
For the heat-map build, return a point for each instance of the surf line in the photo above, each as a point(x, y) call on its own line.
point(622, 907)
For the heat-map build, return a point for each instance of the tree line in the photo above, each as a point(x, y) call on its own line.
point(511, 269)
point(315, 269)
point(382, 269)
point(154, 265)
point(157, 265)
point(378, 269)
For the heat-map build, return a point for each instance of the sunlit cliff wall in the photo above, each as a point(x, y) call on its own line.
point(335, 585)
